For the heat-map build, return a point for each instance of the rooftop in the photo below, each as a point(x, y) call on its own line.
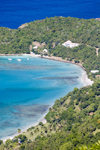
point(70, 44)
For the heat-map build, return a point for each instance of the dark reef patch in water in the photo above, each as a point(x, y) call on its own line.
point(60, 78)
point(29, 110)
point(71, 80)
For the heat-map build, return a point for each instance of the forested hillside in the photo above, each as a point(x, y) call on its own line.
point(75, 119)
point(73, 123)
point(53, 32)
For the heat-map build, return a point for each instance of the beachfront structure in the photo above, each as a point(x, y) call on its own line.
point(94, 71)
point(97, 76)
point(45, 51)
point(31, 53)
point(70, 44)
point(35, 47)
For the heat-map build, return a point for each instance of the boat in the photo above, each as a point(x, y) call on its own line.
point(9, 59)
point(18, 59)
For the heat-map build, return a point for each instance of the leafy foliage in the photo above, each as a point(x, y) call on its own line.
point(73, 123)
point(55, 31)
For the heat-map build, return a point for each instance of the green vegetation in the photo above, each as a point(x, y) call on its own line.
point(53, 32)
point(73, 123)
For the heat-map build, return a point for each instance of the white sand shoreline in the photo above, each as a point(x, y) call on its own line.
point(83, 79)
point(42, 119)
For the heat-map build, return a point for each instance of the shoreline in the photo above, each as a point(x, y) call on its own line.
point(42, 119)
point(46, 57)
point(83, 79)
point(62, 60)
point(86, 81)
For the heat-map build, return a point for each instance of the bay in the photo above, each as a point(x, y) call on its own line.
point(29, 87)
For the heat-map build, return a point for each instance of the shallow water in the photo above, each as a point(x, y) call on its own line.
point(29, 87)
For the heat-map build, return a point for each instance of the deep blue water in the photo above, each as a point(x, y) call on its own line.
point(29, 87)
point(13, 13)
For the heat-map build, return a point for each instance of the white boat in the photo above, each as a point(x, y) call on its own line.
point(9, 59)
point(27, 58)
point(18, 59)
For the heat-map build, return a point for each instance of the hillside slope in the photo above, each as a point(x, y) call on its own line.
point(73, 123)
point(53, 32)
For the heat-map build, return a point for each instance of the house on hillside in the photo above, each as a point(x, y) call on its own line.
point(97, 76)
point(45, 52)
point(94, 71)
point(70, 44)
point(35, 47)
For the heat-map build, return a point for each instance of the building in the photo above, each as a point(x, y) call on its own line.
point(70, 44)
point(94, 71)
point(45, 51)
point(35, 47)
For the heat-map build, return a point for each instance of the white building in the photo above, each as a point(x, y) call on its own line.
point(70, 44)
point(94, 71)
point(35, 47)
point(45, 51)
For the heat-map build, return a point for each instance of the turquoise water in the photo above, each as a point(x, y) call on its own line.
point(29, 86)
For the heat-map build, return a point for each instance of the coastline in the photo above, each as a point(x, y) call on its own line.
point(62, 60)
point(46, 57)
point(83, 79)
point(42, 119)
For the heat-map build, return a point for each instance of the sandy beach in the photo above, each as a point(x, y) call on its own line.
point(84, 78)
point(62, 60)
